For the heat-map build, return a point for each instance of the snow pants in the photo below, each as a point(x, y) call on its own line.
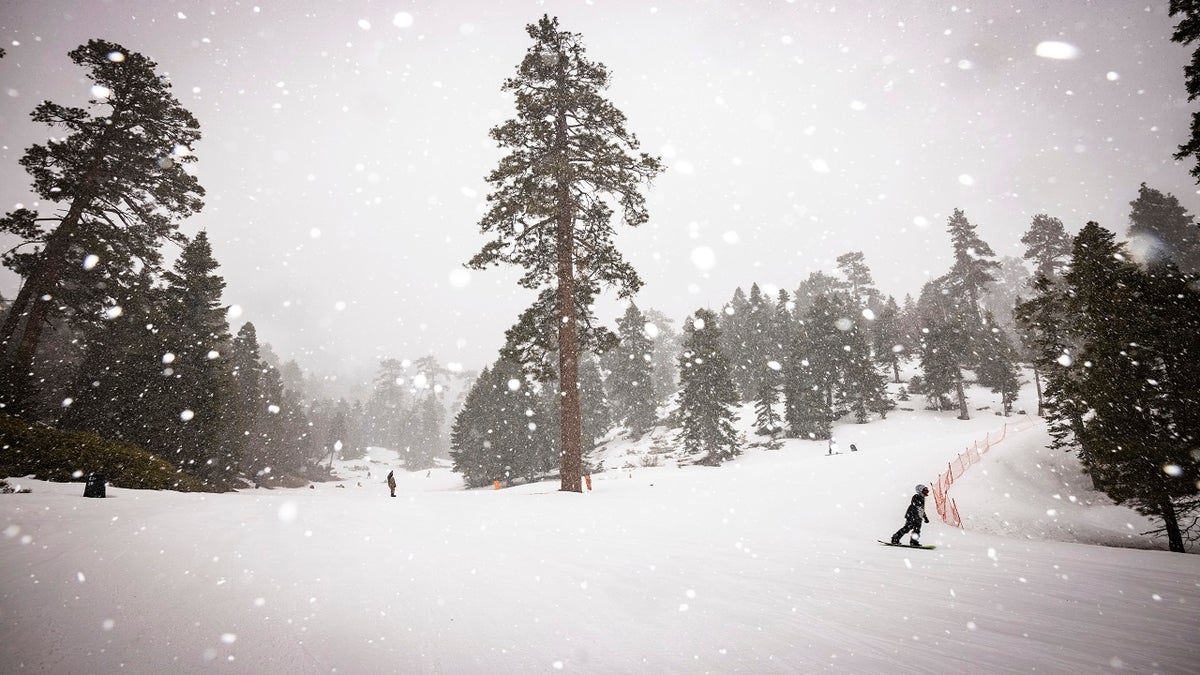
point(910, 525)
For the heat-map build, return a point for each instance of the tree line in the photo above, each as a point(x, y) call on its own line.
point(103, 337)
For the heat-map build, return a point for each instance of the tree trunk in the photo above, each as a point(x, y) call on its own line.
point(1084, 455)
point(1037, 381)
point(570, 417)
point(568, 363)
point(1171, 525)
point(20, 339)
point(963, 414)
point(896, 369)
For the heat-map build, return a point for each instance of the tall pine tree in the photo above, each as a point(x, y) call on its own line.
point(120, 174)
point(570, 161)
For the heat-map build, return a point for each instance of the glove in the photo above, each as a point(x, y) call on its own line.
point(926, 519)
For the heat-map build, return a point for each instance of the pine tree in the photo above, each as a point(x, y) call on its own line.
point(121, 383)
point(735, 320)
point(388, 406)
point(427, 442)
point(1187, 31)
point(1133, 377)
point(631, 379)
point(708, 399)
point(597, 412)
point(806, 407)
point(887, 343)
point(470, 436)
point(998, 369)
point(570, 158)
point(824, 342)
point(947, 341)
point(766, 418)
point(665, 357)
point(121, 175)
point(247, 370)
point(864, 388)
point(759, 350)
point(1047, 245)
point(817, 285)
point(202, 386)
point(973, 264)
point(860, 284)
point(1168, 233)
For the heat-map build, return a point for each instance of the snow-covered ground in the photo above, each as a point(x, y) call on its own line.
point(768, 564)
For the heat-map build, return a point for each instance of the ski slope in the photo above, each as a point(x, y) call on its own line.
point(768, 564)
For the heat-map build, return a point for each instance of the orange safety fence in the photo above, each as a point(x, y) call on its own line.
point(946, 508)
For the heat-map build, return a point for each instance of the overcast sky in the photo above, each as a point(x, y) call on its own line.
point(345, 143)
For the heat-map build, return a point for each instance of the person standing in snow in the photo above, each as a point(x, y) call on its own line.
point(913, 517)
point(391, 481)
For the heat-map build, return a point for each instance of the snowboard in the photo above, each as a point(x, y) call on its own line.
point(928, 547)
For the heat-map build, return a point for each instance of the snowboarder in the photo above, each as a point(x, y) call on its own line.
point(853, 448)
point(391, 481)
point(913, 517)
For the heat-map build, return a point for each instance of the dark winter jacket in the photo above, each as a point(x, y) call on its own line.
point(391, 480)
point(916, 510)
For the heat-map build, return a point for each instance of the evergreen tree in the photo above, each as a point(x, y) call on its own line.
point(759, 350)
point(665, 370)
point(973, 265)
point(817, 285)
point(123, 170)
point(766, 418)
point(427, 442)
point(570, 158)
point(1160, 225)
point(387, 407)
point(948, 339)
point(202, 388)
point(735, 329)
point(1139, 379)
point(1047, 245)
point(860, 284)
point(998, 369)
point(1045, 322)
point(631, 379)
point(121, 385)
point(1012, 280)
point(247, 371)
point(597, 412)
point(806, 407)
point(864, 388)
point(1187, 31)
point(471, 448)
point(823, 341)
point(708, 400)
point(888, 344)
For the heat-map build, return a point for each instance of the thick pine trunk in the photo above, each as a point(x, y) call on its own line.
point(22, 328)
point(1171, 524)
point(568, 362)
point(570, 416)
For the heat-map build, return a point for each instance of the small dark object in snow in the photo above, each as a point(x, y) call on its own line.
point(94, 486)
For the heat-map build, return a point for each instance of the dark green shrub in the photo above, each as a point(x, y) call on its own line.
point(30, 449)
